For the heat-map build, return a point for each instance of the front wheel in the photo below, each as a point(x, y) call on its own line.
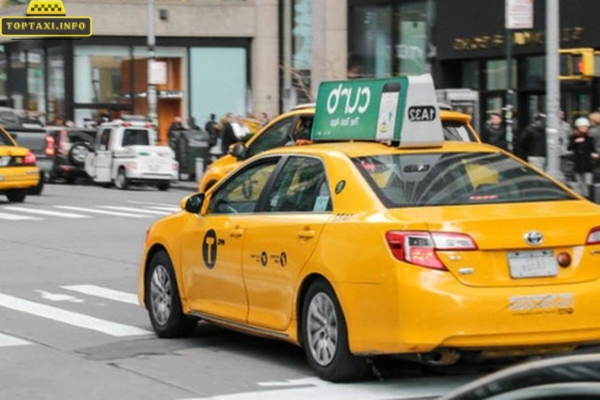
point(16, 195)
point(325, 337)
point(163, 301)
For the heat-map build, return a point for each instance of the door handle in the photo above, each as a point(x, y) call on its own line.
point(306, 234)
point(236, 232)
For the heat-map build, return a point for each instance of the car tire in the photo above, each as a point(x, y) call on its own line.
point(163, 301)
point(39, 188)
point(318, 336)
point(121, 182)
point(16, 195)
point(78, 153)
point(163, 187)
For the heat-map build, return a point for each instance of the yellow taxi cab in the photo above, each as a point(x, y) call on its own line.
point(354, 249)
point(295, 125)
point(18, 170)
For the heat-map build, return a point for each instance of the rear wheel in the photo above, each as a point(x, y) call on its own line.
point(121, 182)
point(325, 336)
point(163, 301)
point(17, 195)
point(164, 186)
point(37, 190)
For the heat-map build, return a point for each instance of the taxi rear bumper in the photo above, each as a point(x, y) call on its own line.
point(421, 311)
point(19, 178)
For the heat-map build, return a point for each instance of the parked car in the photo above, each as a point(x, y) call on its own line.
point(69, 148)
point(18, 170)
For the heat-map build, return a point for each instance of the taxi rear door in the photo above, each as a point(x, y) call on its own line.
point(281, 237)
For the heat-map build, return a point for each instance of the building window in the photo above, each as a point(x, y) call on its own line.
point(495, 72)
point(3, 76)
point(535, 72)
point(17, 82)
point(56, 83)
point(470, 75)
point(98, 71)
point(411, 49)
point(370, 40)
point(35, 82)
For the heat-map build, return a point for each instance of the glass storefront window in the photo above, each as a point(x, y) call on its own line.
point(470, 75)
point(370, 42)
point(411, 51)
point(17, 84)
point(98, 71)
point(3, 76)
point(495, 72)
point(535, 72)
point(35, 82)
point(56, 83)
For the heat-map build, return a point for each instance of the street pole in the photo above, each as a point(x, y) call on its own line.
point(552, 89)
point(151, 58)
point(508, 109)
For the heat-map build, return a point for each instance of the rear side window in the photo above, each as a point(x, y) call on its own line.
point(436, 179)
point(133, 137)
point(457, 131)
point(4, 139)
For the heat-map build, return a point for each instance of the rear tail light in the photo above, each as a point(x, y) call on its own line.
point(148, 125)
point(594, 236)
point(175, 166)
point(419, 248)
point(126, 124)
point(29, 159)
point(49, 150)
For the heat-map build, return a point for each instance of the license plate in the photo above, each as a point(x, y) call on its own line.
point(532, 264)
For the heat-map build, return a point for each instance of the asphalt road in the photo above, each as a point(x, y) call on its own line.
point(71, 327)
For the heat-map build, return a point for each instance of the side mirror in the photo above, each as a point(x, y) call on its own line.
point(238, 150)
point(192, 203)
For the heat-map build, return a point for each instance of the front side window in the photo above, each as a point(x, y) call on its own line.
point(241, 193)
point(105, 139)
point(436, 179)
point(301, 187)
point(275, 136)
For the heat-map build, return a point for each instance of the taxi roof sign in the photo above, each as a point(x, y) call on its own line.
point(401, 109)
point(46, 7)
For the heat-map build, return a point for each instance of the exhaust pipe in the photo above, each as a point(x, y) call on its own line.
point(440, 357)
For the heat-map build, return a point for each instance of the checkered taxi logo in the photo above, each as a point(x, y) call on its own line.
point(46, 8)
point(46, 18)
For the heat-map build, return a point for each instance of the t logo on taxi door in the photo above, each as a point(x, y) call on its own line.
point(209, 249)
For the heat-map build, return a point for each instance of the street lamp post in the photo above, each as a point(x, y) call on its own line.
point(552, 89)
point(151, 59)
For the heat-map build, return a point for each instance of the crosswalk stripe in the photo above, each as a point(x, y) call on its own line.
point(105, 293)
point(162, 208)
point(149, 203)
point(131, 209)
point(45, 212)
point(15, 217)
point(70, 318)
point(105, 212)
point(6, 341)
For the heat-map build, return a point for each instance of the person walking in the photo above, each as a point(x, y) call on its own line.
point(493, 132)
point(584, 151)
point(533, 142)
point(227, 134)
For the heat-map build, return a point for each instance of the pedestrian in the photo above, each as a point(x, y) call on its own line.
point(176, 126)
point(263, 119)
point(493, 133)
point(584, 151)
point(227, 134)
point(192, 124)
point(241, 130)
point(212, 128)
point(532, 142)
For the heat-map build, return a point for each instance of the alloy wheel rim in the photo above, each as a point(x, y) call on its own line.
point(161, 296)
point(322, 329)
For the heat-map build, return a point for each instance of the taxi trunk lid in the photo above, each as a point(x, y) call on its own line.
point(504, 256)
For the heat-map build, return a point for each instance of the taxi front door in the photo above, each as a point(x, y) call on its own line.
point(213, 242)
point(280, 240)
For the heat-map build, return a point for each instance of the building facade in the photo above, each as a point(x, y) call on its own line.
point(252, 56)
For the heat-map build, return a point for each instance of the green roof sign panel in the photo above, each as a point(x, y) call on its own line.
point(401, 109)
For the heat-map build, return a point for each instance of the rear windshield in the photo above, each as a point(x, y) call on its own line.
point(435, 179)
point(132, 137)
point(4, 139)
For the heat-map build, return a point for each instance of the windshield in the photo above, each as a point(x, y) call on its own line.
point(4, 139)
point(435, 179)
